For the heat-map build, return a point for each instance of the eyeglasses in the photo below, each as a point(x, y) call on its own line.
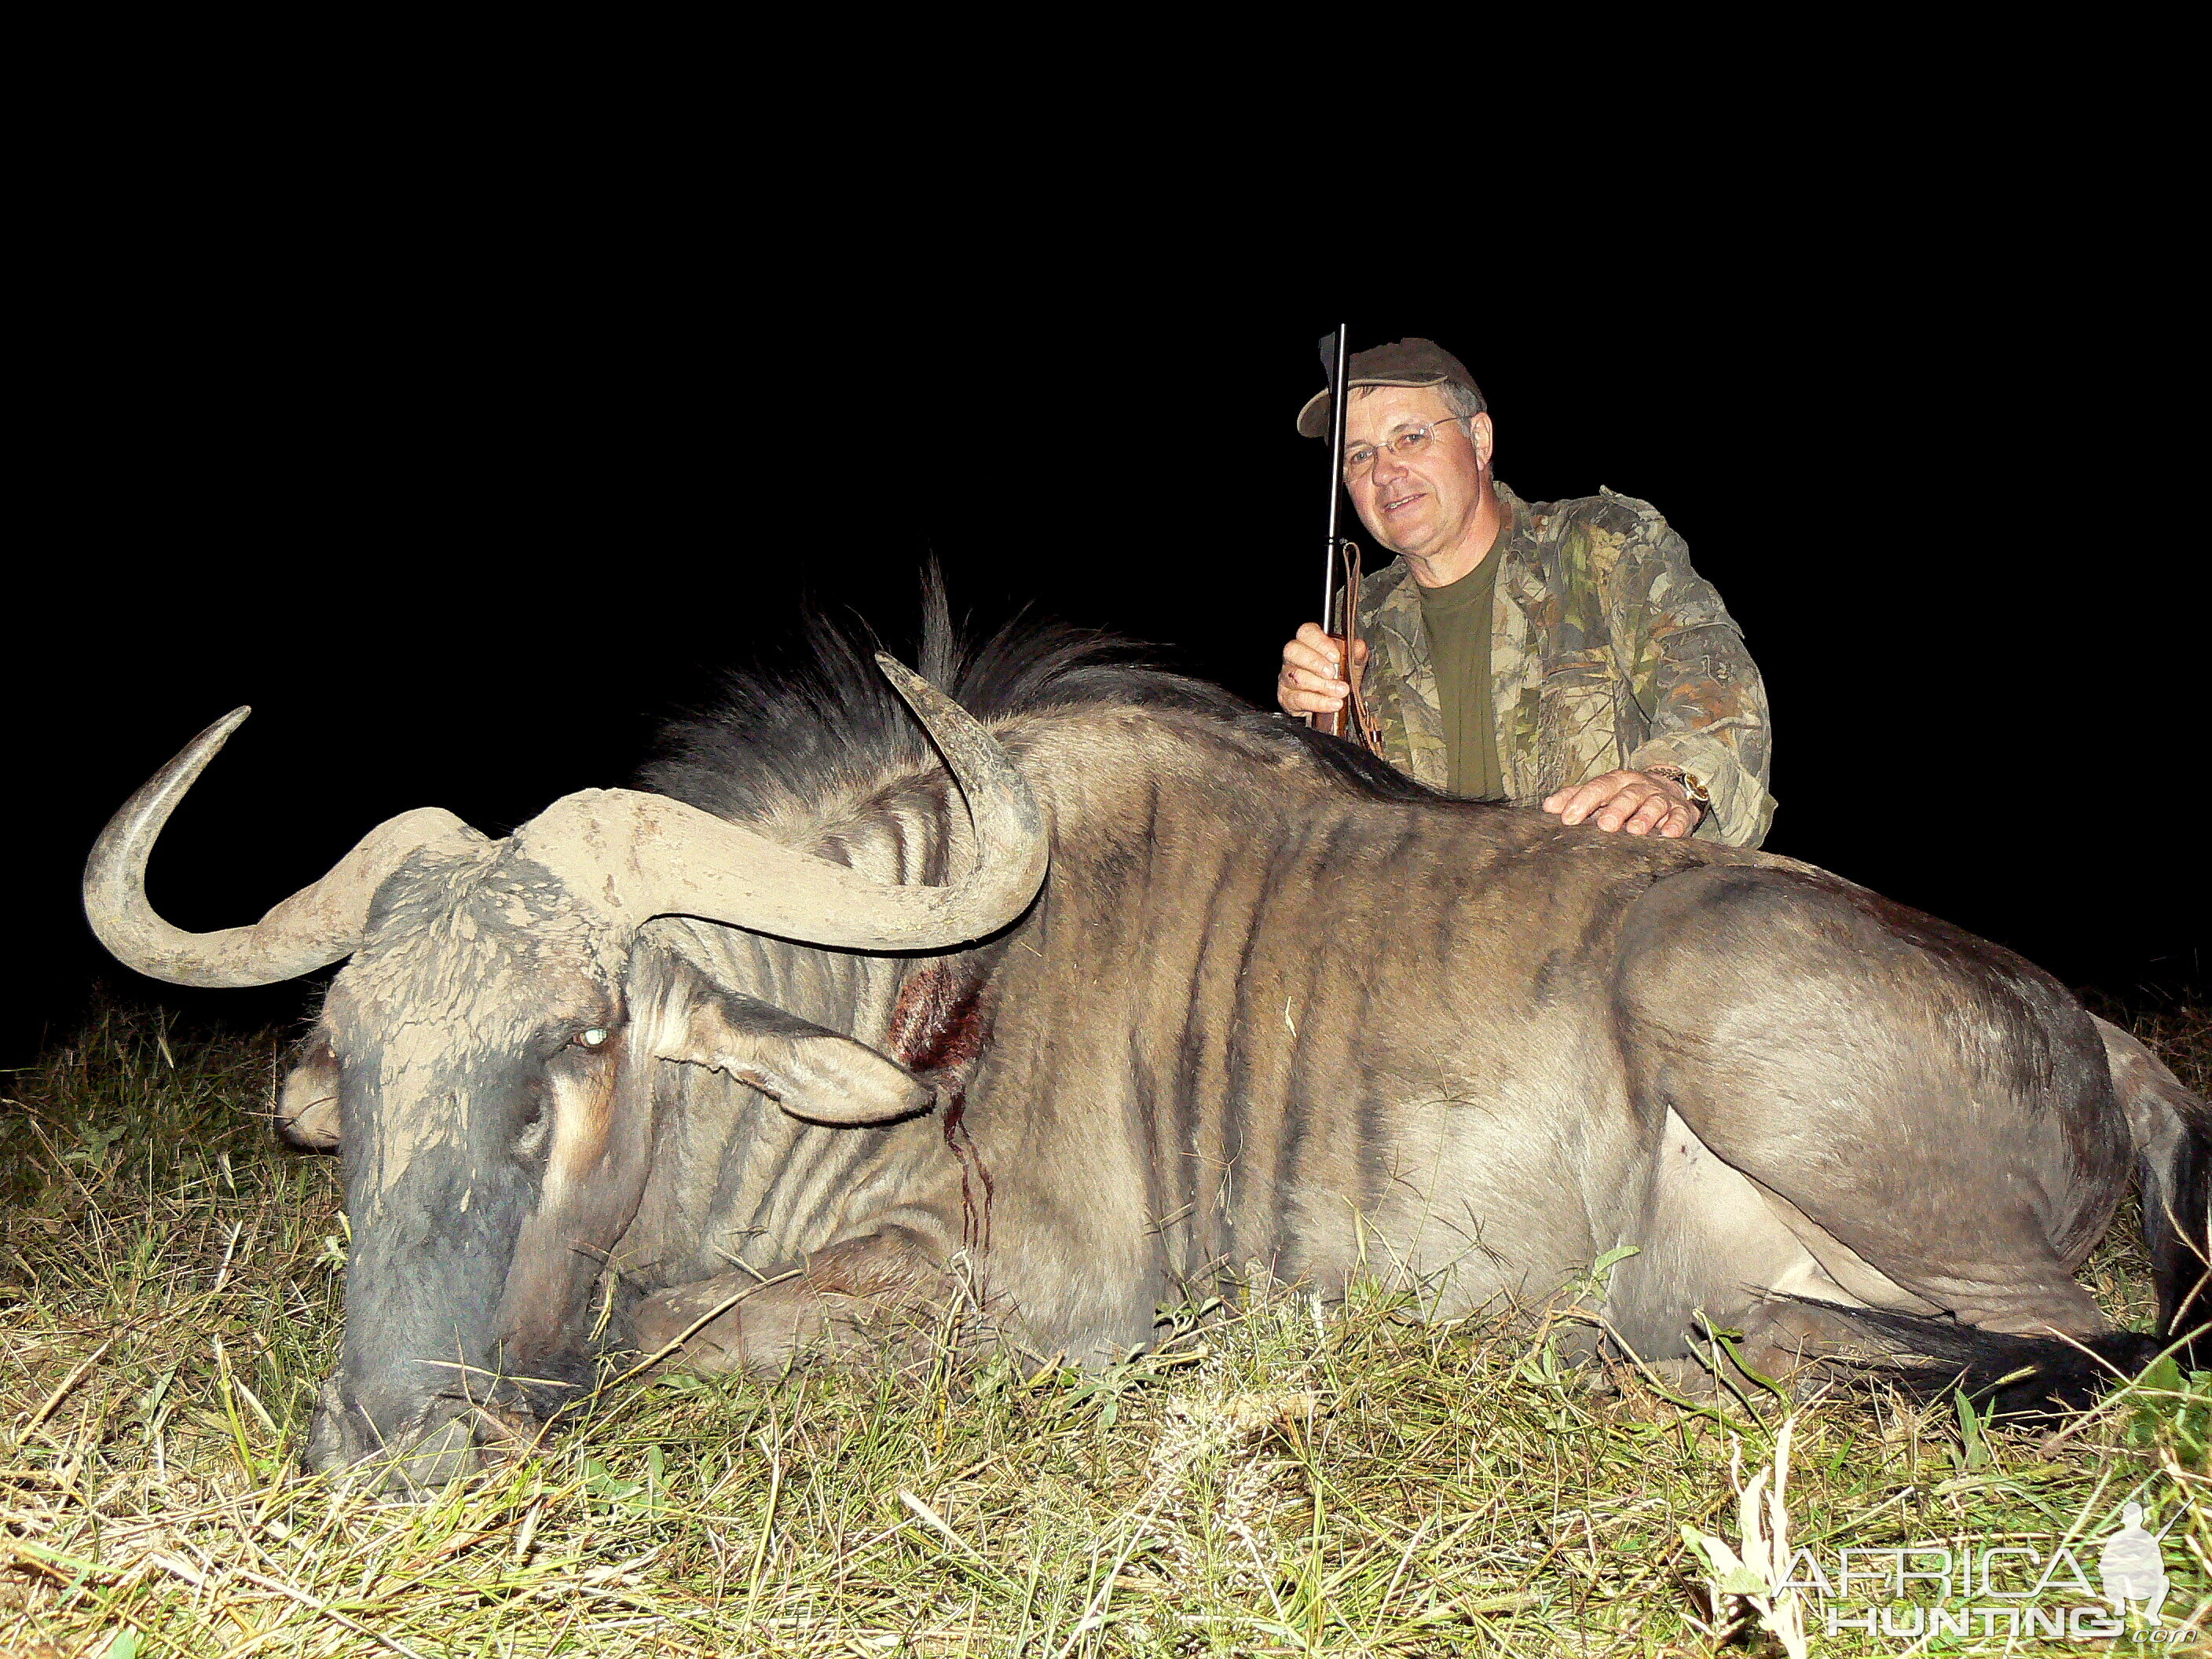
point(1412, 441)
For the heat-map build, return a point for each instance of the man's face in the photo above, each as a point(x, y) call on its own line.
point(1421, 504)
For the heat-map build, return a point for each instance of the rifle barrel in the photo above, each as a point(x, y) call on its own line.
point(1339, 349)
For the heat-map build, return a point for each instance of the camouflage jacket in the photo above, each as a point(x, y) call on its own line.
point(1607, 650)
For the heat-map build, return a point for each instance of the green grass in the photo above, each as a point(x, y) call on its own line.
point(1276, 1482)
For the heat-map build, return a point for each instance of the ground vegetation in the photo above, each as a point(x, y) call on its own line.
point(1271, 1478)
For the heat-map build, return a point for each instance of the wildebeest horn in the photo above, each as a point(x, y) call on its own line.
point(660, 857)
point(316, 926)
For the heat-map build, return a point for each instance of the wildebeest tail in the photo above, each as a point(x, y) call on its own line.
point(2172, 1133)
point(2033, 1376)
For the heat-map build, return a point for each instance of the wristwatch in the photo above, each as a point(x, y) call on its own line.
point(1693, 786)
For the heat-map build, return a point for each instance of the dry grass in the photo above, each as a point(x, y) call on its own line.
point(1278, 1483)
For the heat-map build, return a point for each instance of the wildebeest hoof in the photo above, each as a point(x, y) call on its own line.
point(762, 1329)
point(668, 1324)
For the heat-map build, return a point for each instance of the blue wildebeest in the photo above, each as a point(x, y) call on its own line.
point(768, 1049)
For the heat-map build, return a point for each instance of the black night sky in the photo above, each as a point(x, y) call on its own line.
point(464, 516)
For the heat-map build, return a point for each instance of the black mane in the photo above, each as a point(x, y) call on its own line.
point(819, 713)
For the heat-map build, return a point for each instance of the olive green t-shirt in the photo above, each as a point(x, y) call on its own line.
point(1458, 620)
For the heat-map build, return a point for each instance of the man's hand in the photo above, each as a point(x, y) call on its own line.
point(1635, 801)
point(1309, 684)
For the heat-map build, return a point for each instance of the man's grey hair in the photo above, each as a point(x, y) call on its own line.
point(1463, 399)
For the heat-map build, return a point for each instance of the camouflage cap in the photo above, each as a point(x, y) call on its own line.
point(1402, 362)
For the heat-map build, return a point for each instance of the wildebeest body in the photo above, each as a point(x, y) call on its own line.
point(1259, 1020)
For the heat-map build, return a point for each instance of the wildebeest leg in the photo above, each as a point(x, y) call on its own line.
point(1934, 1105)
point(843, 1302)
point(1718, 1253)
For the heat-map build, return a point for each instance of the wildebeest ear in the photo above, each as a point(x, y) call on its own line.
point(308, 1100)
point(811, 1071)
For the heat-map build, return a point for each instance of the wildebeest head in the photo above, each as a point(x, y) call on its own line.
point(484, 1061)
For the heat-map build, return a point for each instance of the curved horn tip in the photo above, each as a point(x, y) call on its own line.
point(228, 724)
point(915, 690)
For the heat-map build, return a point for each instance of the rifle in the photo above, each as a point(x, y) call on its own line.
point(1340, 595)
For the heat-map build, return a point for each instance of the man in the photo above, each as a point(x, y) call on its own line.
point(1560, 653)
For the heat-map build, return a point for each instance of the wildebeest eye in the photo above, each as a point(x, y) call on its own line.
point(592, 1038)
